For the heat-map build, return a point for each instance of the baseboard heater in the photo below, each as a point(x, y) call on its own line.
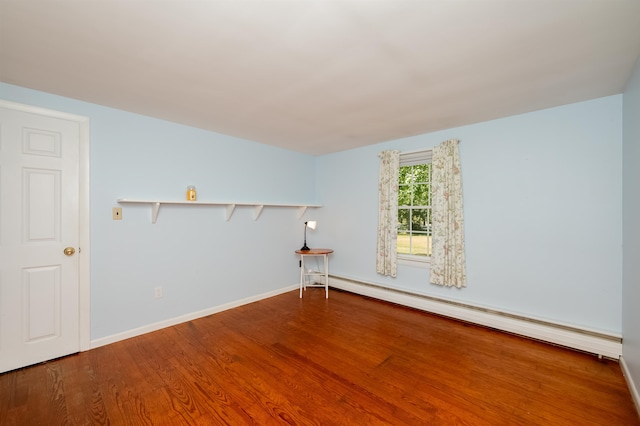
point(601, 344)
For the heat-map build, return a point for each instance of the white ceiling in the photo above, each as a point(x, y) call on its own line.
point(321, 76)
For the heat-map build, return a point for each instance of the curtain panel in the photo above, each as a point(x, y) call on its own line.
point(386, 263)
point(447, 259)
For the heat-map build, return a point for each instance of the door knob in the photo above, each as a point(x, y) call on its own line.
point(69, 251)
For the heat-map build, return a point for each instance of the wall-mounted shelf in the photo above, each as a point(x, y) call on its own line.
point(231, 206)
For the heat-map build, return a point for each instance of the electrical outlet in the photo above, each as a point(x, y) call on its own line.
point(117, 213)
point(157, 292)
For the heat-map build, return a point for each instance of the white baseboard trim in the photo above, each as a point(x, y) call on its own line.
point(630, 383)
point(187, 317)
point(585, 340)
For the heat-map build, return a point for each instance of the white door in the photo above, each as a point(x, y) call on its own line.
point(39, 212)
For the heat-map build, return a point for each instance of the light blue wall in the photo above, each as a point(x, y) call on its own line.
point(543, 212)
point(201, 260)
point(543, 209)
point(631, 227)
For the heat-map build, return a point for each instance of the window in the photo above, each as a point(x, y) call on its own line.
point(414, 207)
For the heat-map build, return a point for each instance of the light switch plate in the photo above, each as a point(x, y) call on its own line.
point(117, 213)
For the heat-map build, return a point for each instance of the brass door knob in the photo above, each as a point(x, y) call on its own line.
point(69, 251)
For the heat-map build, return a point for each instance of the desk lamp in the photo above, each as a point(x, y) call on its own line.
point(309, 224)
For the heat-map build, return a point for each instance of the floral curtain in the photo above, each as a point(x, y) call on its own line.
point(388, 213)
point(447, 259)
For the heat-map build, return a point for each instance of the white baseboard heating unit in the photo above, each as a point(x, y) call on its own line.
point(601, 344)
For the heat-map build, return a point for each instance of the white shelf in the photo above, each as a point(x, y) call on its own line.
point(231, 206)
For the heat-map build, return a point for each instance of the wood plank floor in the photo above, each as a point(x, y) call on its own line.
point(348, 360)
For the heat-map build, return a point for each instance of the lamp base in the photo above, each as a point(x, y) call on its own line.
point(305, 248)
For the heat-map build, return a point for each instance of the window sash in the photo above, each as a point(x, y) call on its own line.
point(413, 159)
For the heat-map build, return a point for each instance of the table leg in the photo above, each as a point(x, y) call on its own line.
point(326, 276)
point(301, 274)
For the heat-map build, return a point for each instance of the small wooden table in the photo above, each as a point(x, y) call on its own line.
point(311, 274)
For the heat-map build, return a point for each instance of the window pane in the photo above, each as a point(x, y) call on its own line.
point(403, 220)
point(404, 243)
point(421, 173)
point(404, 195)
point(420, 220)
point(421, 195)
point(421, 245)
point(403, 174)
point(405, 188)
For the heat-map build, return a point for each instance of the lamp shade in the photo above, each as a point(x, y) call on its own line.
point(312, 224)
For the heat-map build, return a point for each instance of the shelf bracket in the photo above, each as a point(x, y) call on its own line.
point(155, 207)
point(230, 209)
point(258, 211)
point(301, 211)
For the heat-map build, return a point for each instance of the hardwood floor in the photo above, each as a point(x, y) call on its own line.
point(348, 360)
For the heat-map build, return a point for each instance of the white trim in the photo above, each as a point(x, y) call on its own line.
point(187, 317)
point(630, 383)
point(85, 236)
point(423, 262)
point(585, 340)
point(42, 111)
point(84, 261)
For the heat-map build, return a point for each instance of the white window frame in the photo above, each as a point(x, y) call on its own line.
point(411, 159)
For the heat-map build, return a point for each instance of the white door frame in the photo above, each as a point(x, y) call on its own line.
point(84, 273)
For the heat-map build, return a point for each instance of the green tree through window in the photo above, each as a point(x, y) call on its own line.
point(414, 210)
